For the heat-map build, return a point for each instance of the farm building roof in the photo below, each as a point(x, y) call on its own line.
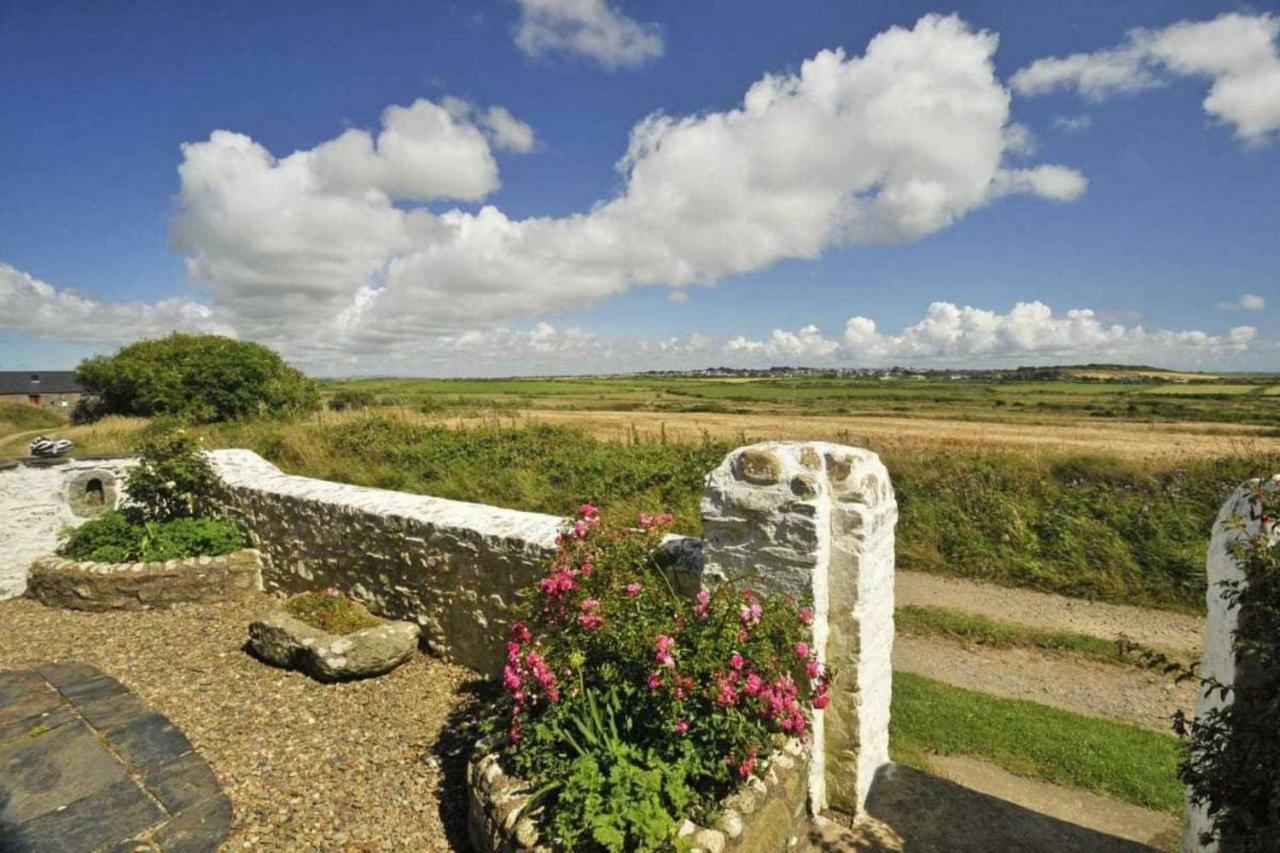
point(39, 382)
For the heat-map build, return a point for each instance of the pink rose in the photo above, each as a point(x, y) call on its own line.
point(632, 589)
point(682, 727)
point(802, 650)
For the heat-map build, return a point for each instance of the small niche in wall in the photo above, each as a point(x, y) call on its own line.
point(94, 494)
point(91, 493)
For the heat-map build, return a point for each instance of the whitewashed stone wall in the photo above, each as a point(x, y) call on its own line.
point(1218, 662)
point(816, 520)
point(38, 500)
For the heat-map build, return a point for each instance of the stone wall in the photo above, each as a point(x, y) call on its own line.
point(38, 498)
point(451, 567)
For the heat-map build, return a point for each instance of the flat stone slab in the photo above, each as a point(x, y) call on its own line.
point(86, 765)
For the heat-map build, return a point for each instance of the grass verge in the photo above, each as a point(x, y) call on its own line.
point(1118, 760)
point(978, 630)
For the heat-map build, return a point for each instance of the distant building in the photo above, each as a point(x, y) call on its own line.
point(57, 388)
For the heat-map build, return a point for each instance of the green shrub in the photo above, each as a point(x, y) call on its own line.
point(172, 475)
point(109, 538)
point(114, 538)
point(202, 378)
point(630, 708)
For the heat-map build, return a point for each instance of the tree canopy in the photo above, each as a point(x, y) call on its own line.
point(200, 378)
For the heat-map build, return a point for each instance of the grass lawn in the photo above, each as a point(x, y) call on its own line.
point(1118, 760)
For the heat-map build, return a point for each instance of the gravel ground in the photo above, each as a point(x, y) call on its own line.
point(367, 765)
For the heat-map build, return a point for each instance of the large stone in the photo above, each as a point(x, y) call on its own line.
point(815, 520)
point(281, 639)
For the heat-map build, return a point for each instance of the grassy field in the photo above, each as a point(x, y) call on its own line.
point(1122, 761)
point(1246, 401)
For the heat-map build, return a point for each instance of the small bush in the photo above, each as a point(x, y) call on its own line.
point(172, 476)
point(202, 378)
point(115, 538)
point(331, 611)
point(630, 708)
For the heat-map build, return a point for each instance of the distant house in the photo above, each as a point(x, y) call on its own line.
point(56, 388)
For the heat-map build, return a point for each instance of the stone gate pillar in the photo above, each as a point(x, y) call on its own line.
point(1218, 661)
point(814, 519)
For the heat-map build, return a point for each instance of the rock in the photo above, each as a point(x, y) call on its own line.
point(281, 639)
point(709, 840)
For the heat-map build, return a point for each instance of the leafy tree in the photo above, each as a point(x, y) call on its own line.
point(202, 378)
point(172, 476)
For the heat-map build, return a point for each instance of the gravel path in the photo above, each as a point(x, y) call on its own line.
point(369, 765)
point(1164, 629)
point(1098, 689)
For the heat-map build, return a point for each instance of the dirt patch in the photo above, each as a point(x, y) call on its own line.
point(364, 765)
point(1121, 693)
point(1081, 808)
point(1177, 632)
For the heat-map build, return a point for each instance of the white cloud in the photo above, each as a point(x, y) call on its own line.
point(1246, 302)
point(37, 308)
point(1236, 52)
point(591, 28)
point(508, 131)
point(1073, 124)
point(318, 252)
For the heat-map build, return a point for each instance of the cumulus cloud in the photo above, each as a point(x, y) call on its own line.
point(1237, 53)
point(1246, 302)
point(321, 249)
point(35, 307)
point(591, 28)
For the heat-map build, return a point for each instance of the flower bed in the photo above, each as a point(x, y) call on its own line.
point(761, 817)
point(86, 585)
point(632, 711)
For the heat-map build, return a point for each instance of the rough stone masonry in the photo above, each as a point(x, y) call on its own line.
point(816, 520)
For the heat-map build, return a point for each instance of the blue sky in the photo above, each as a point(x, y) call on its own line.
point(1160, 219)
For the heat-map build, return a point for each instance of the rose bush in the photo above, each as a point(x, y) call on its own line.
point(630, 707)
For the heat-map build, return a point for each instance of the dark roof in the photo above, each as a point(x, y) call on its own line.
point(39, 382)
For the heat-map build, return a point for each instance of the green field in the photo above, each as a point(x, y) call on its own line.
point(1247, 401)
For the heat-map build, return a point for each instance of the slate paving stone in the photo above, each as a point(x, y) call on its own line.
point(83, 692)
point(150, 741)
point(52, 770)
point(62, 790)
point(91, 823)
point(199, 829)
point(36, 724)
point(114, 712)
point(183, 782)
point(66, 673)
point(25, 696)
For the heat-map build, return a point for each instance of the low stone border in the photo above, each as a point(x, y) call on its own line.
point(82, 585)
point(281, 639)
point(764, 816)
